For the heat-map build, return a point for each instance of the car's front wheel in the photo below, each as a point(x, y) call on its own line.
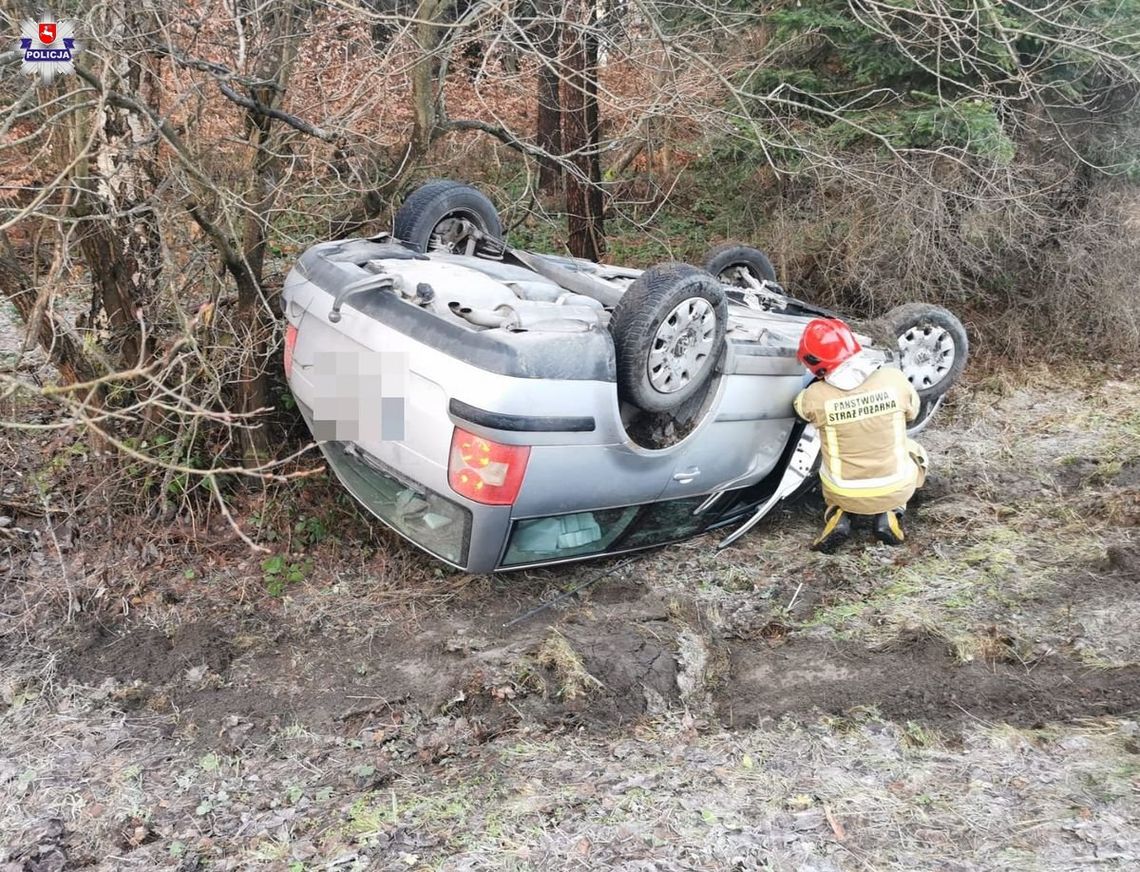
point(668, 331)
point(932, 346)
point(739, 265)
point(445, 215)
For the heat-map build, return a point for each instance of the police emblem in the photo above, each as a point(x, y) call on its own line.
point(48, 47)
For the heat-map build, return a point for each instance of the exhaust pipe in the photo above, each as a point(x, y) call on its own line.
point(478, 317)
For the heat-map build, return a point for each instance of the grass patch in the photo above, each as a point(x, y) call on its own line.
point(574, 680)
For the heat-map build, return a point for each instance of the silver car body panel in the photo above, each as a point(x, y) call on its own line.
point(408, 340)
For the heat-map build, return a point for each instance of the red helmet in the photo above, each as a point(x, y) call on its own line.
point(826, 343)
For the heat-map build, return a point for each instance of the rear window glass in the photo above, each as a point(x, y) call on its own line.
point(431, 521)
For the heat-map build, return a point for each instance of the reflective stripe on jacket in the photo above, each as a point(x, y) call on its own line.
point(867, 465)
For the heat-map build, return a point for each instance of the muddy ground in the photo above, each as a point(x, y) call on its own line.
point(968, 701)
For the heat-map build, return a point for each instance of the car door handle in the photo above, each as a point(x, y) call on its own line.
point(687, 475)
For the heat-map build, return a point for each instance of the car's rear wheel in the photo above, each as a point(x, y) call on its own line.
point(668, 331)
point(739, 265)
point(445, 215)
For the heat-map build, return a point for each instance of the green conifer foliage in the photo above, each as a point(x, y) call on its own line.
point(967, 76)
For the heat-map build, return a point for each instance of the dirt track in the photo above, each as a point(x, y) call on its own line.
point(967, 702)
point(636, 650)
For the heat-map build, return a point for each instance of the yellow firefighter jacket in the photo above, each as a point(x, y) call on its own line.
point(869, 464)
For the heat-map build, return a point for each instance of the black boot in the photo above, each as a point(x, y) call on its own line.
point(836, 528)
point(889, 527)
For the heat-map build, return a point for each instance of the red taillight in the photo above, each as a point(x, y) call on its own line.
point(485, 471)
point(290, 341)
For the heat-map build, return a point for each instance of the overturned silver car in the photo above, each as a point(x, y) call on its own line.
point(503, 409)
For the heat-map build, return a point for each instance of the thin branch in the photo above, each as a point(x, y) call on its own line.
point(269, 112)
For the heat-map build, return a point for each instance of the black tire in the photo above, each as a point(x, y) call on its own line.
point(656, 296)
point(415, 201)
point(440, 200)
point(926, 409)
point(931, 343)
point(725, 257)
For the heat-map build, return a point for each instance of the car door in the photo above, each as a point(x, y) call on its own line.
point(742, 436)
point(727, 453)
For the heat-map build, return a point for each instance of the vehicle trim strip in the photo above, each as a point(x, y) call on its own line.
point(521, 423)
point(735, 417)
point(756, 349)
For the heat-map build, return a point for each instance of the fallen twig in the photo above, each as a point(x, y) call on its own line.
point(566, 595)
point(795, 596)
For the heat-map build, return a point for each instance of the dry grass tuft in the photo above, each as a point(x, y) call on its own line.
point(1048, 275)
point(574, 680)
point(992, 645)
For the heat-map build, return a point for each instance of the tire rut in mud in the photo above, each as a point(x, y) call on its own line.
point(918, 680)
point(640, 660)
point(146, 653)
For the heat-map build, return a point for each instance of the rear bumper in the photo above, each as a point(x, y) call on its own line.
point(465, 535)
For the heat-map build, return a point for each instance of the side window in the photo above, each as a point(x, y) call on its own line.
point(561, 536)
point(665, 522)
point(579, 534)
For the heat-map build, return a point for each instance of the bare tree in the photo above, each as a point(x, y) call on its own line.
point(198, 149)
point(581, 135)
point(548, 134)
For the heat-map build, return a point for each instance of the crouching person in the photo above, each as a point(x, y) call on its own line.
point(861, 410)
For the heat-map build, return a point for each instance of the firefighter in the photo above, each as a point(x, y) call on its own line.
point(861, 410)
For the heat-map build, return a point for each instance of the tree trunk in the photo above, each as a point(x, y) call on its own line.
point(580, 101)
point(252, 390)
point(62, 349)
point(120, 240)
point(264, 186)
point(424, 98)
point(122, 278)
point(549, 123)
point(425, 126)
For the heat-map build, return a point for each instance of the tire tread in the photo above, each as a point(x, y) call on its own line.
point(721, 257)
point(427, 205)
point(632, 323)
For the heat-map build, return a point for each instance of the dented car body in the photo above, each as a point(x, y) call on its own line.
point(470, 397)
